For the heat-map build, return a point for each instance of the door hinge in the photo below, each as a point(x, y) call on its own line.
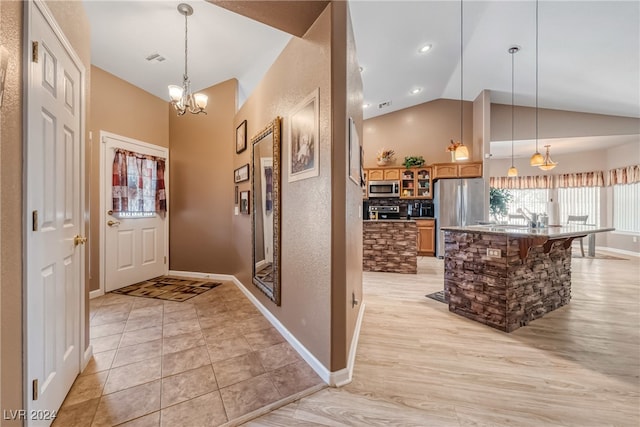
point(34, 218)
point(34, 53)
point(35, 389)
point(165, 259)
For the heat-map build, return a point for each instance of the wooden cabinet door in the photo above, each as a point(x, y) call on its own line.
point(376, 175)
point(391, 174)
point(423, 183)
point(445, 170)
point(426, 235)
point(470, 170)
point(407, 184)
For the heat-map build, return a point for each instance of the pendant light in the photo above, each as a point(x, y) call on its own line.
point(548, 163)
point(536, 159)
point(512, 51)
point(181, 97)
point(462, 152)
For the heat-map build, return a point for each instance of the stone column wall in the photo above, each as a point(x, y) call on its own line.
point(506, 292)
point(390, 246)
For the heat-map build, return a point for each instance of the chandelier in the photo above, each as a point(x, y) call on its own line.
point(548, 164)
point(181, 97)
point(512, 50)
point(461, 152)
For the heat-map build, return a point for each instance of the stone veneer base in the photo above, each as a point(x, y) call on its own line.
point(507, 292)
point(390, 246)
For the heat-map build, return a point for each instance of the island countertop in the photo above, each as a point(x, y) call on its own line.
point(552, 232)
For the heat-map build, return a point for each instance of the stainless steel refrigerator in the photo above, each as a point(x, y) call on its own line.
point(458, 202)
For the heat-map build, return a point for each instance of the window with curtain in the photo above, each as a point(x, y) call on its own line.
point(580, 201)
point(626, 215)
point(138, 188)
point(533, 199)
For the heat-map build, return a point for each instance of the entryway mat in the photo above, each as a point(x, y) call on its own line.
point(168, 288)
point(438, 296)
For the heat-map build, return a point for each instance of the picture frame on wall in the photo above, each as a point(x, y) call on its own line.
point(244, 202)
point(304, 138)
point(237, 195)
point(241, 137)
point(354, 154)
point(241, 174)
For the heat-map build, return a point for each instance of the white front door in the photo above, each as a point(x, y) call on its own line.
point(135, 247)
point(55, 221)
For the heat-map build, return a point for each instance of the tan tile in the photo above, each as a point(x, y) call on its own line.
point(134, 374)
point(277, 356)
point(138, 352)
point(107, 329)
point(147, 302)
point(143, 322)
point(210, 308)
point(110, 342)
point(220, 332)
point(105, 316)
point(85, 388)
point(187, 385)
point(182, 327)
point(181, 361)
point(228, 348)
point(150, 420)
point(99, 362)
point(128, 404)
point(178, 316)
point(141, 336)
point(237, 369)
point(248, 395)
point(203, 411)
point(264, 338)
point(171, 306)
point(116, 299)
point(146, 311)
point(255, 323)
point(294, 378)
point(78, 415)
point(182, 342)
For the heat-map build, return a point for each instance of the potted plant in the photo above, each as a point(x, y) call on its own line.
point(385, 156)
point(413, 161)
point(499, 199)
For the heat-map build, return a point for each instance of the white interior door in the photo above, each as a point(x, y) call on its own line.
point(54, 249)
point(135, 247)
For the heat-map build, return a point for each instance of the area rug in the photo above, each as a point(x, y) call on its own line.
point(168, 288)
point(438, 296)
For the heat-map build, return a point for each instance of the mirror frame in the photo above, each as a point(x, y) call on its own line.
point(271, 128)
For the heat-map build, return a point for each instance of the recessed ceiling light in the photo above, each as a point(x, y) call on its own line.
point(416, 90)
point(365, 105)
point(424, 49)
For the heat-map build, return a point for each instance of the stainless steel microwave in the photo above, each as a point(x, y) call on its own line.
point(384, 188)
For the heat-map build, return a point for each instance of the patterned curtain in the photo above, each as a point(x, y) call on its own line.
point(581, 179)
point(138, 183)
point(521, 182)
point(625, 175)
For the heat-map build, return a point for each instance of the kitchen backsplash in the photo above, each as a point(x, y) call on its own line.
point(391, 201)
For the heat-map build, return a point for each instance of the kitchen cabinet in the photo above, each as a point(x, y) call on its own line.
point(457, 170)
point(426, 236)
point(384, 174)
point(415, 183)
point(365, 190)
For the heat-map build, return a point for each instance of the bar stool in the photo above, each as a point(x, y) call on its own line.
point(578, 219)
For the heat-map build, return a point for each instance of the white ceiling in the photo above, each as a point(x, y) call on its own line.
point(589, 51)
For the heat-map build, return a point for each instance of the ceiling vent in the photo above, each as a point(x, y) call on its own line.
point(384, 104)
point(155, 57)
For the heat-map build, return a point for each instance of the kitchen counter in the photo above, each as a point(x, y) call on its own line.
point(505, 275)
point(390, 246)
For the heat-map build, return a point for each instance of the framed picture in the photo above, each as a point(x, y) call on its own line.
point(236, 199)
point(363, 176)
point(241, 174)
point(241, 137)
point(4, 62)
point(304, 142)
point(354, 154)
point(244, 202)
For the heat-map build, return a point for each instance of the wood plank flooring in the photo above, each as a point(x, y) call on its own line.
point(419, 365)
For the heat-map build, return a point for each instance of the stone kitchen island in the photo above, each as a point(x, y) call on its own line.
point(390, 246)
point(506, 276)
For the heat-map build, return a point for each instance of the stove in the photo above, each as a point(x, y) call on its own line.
point(384, 212)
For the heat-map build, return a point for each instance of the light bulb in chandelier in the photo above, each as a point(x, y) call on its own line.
point(537, 159)
point(512, 171)
point(548, 163)
point(180, 96)
point(462, 152)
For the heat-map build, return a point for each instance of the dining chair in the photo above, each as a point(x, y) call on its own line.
point(578, 219)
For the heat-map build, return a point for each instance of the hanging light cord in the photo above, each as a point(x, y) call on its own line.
point(512, 103)
point(461, 75)
point(186, 51)
point(537, 76)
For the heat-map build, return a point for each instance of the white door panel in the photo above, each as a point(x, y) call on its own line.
point(54, 278)
point(135, 249)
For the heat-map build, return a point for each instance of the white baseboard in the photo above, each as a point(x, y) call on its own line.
point(88, 354)
point(344, 376)
point(618, 251)
point(95, 294)
point(197, 275)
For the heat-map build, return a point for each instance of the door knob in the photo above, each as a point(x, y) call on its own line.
point(79, 240)
point(112, 223)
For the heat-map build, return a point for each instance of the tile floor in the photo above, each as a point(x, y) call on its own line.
point(202, 362)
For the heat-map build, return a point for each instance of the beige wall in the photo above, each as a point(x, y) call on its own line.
point(74, 23)
point(306, 205)
point(201, 196)
point(143, 117)
point(422, 130)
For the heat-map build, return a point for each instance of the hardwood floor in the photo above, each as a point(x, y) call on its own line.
point(419, 365)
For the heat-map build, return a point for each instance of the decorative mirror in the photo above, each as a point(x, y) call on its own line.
point(265, 163)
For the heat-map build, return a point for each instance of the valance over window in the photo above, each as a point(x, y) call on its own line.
point(581, 179)
point(521, 182)
point(625, 175)
point(138, 183)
